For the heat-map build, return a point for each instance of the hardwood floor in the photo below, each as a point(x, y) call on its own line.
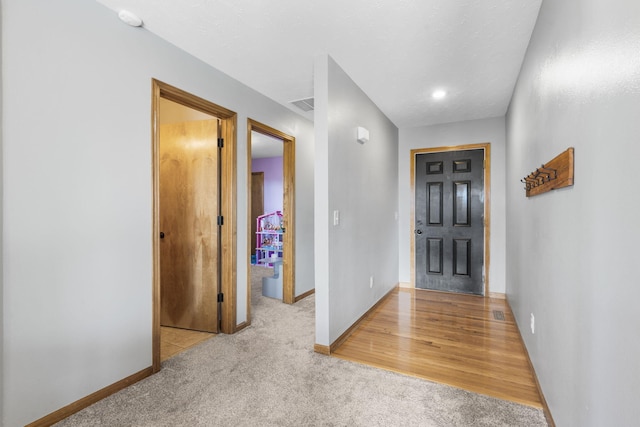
point(448, 338)
point(175, 340)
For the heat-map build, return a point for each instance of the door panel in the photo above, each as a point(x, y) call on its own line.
point(461, 257)
point(188, 221)
point(435, 203)
point(434, 256)
point(462, 203)
point(449, 209)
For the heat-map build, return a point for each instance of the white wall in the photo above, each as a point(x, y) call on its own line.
point(452, 134)
point(77, 195)
point(321, 197)
point(359, 181)
point(1, 234)
point(572, 253)
point(305, 151)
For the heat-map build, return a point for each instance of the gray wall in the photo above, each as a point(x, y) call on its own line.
point(451, 134)
point(1, 238)
point(77, 192)
point(572, 253)
point(360, 181)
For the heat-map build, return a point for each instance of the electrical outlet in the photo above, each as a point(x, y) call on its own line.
point(533, 324)
point(371, 282)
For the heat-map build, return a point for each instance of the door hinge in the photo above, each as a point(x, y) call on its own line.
point(220, 220)
point(220, 142)
point(221, 297)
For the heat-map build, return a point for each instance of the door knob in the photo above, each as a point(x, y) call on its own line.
point(162, 235)
point(418, 231)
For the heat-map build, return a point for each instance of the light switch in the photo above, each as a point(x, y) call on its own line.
point(336, 217)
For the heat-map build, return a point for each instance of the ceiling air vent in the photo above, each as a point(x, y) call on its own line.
point(304, 104)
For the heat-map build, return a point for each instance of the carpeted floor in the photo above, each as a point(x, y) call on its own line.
point(268, 375)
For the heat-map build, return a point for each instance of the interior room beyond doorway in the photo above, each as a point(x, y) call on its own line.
point(267, 189)
point(272, 224)
point(267, 211)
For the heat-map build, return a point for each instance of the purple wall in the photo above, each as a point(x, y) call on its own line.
point(273, 186)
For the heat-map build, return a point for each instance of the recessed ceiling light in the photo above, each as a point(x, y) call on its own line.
point(438, 94)
point(130, 18)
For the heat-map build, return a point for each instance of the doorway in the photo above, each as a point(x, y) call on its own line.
point(450, 218)
point(193, 215)
point(189, 207)
point(254, 130)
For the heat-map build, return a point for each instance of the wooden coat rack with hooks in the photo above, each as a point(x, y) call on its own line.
point(554, 174)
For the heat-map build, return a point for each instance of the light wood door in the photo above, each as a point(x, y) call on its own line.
point(257, 204)
point(449, 224)
point(189, 207)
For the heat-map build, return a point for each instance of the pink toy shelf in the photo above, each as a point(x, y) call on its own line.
point(269, 238)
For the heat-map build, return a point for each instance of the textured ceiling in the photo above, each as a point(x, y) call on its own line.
point(397, 51)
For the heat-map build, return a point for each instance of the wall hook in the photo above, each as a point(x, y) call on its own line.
point(556, 173)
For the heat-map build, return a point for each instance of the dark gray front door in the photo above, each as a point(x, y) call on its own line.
point(449, 227)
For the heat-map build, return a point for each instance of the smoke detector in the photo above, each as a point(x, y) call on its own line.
point(130, 18)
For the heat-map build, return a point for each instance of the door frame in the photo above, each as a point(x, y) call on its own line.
point(288, 202)
point(252, 225)
point(486, 147)
point(228, 208)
